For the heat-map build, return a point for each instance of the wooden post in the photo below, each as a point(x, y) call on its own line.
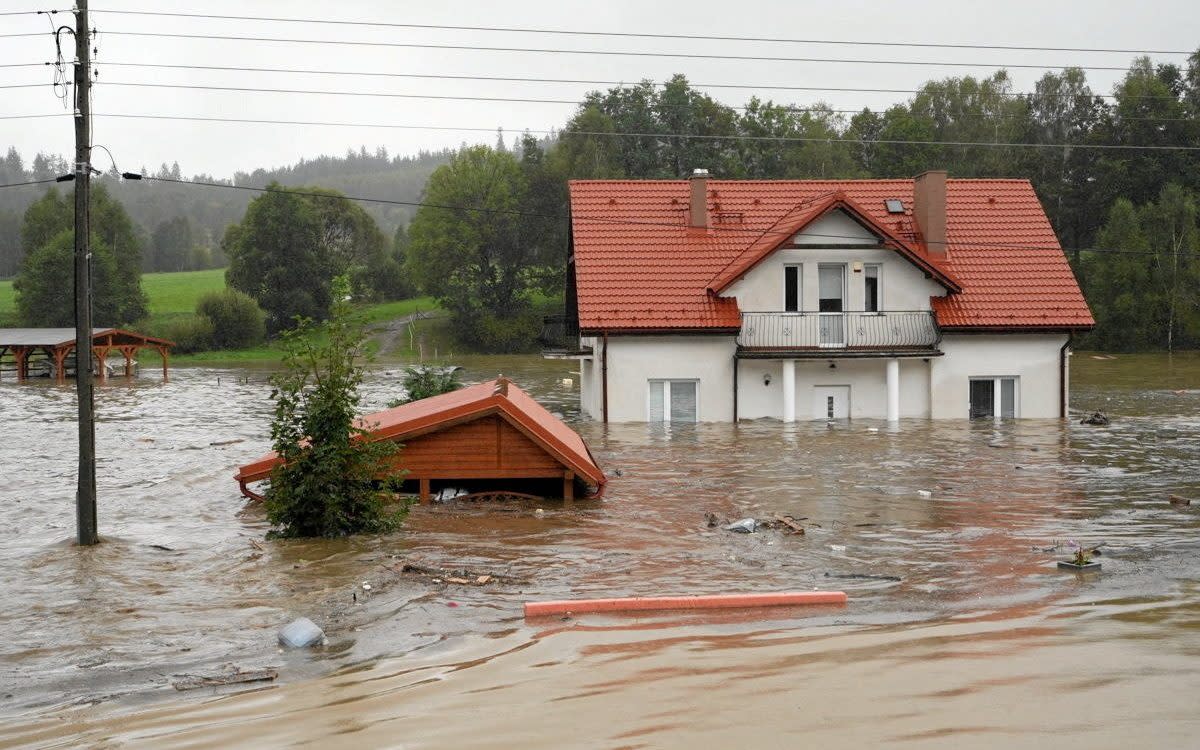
point(85, 496)
point(21, 353)
point(101, 353)
point(164, 352)
point(426, 497)
point(60, 364)
point(568, 486)
point(128, 351)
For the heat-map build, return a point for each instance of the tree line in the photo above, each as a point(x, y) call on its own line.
point(490, 240)
point(486, 263)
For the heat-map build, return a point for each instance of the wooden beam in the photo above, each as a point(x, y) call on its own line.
point(426, 497)
point(568, 486)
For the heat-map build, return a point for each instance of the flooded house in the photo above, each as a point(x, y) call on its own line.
point(489, 439)
point(719, 300)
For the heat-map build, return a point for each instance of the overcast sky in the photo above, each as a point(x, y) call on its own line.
point(220, 148)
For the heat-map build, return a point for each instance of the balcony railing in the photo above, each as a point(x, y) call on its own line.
point(847, 331)
point(560, 335)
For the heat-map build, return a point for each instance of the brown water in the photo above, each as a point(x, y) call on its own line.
point(960, 632)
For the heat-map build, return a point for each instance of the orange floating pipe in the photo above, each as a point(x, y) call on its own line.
point(715, 601)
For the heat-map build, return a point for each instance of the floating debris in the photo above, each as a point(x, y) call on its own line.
point(301, 633)
point(191, 682)
point(1097, 419)
point(1179, 500)
point(744, 526)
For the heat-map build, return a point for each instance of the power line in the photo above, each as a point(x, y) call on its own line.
point(533, 214)
point(529, 100)
point(29, 182)
point(683, 136)
point(611, 53)
point(520, 79)
point(639, 35)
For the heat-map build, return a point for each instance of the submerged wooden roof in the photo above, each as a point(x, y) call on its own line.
point(494, 397)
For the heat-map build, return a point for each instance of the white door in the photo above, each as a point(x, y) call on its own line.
point(831, 402)
point(831, 282)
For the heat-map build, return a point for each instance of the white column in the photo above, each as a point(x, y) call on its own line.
point(893, 390)
point(789, 390)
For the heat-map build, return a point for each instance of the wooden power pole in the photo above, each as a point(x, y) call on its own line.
point(85, 497)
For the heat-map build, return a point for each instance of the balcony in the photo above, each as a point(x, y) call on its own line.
point(560, 338)
point(846, 334)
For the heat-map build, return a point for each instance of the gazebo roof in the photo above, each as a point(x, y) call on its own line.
point(55, 337)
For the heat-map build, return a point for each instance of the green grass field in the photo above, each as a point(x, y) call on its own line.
point(170, 294)
point(174, 295)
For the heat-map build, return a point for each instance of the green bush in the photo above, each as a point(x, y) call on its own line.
point(331, 480)
point(423, 381)
point(191, 334)
point(237, 320)
point(502, 335)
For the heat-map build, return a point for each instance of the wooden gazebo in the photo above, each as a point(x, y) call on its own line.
point(20, 346)
point(489, 437)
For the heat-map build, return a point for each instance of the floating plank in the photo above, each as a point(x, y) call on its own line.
point(716, 601)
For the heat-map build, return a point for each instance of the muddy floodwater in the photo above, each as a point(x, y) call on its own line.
point(959, 632)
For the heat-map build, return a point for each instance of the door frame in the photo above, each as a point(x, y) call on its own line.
point(841, 315)
point(849, 394)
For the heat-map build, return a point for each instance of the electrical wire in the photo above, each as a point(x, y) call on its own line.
point(519, 79)
point(681, 136)
point(30, 182)
point(597, 220)
point(638, 35)
point(610, 53)
point(529, 100)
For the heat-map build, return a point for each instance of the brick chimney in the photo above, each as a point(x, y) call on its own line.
point(929, 210)
point(698, 207)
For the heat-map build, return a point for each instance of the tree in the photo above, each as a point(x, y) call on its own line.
point(472, 249)
point(275, 257)
point(171, 246)
point(331, 479)
point(289, 246)
point(45, 290)
point(44, 285)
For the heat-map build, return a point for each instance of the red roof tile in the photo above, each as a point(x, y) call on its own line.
point(464, 405)
point(639, 266)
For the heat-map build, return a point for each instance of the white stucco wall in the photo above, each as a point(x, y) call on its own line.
point(1033, 358)
point(635, 360)
point(904, 286)
point(867, 380)
point(589, 380)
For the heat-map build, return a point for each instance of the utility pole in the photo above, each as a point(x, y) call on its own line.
point(85, 497)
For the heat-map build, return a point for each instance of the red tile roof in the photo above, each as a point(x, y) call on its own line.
point(640, 267)
point(464, 405)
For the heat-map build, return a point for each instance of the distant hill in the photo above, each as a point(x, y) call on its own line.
point(211, 209)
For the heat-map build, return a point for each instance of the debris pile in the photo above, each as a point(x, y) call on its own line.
point(1097, 419)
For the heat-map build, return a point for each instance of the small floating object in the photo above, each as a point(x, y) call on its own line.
point(924, 493)
point(1179, 500)
point(716, 601)
point(872, 429)
point(744, 526)
point(1084, 568)
point(366, 586)
point(838, 547)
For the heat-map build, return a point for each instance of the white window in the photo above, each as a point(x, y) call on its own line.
point(994, 398)
point(872, 288)
point(673, 401)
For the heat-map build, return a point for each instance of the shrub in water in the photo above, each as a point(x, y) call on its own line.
point(422, 382)
point(332, 481)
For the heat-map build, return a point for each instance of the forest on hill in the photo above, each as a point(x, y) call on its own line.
point(181, 226)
